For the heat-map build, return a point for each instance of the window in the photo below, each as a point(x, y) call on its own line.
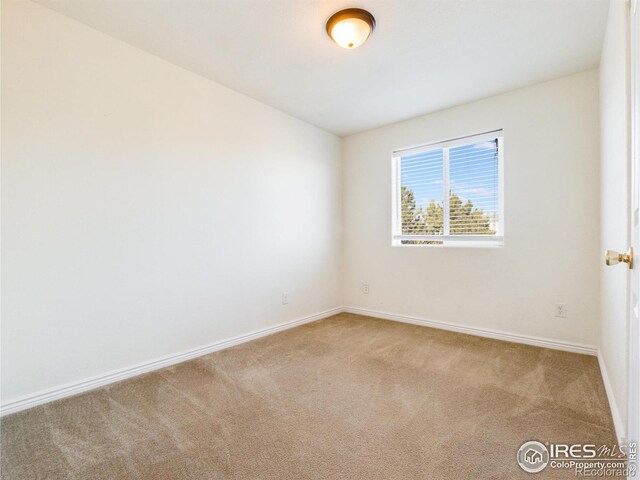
point(449, 193)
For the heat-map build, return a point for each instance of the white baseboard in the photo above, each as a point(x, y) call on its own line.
point(613, 405)
point(68, 390)
point(480, 332)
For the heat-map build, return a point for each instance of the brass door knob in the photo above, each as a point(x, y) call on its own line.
point(612, 257)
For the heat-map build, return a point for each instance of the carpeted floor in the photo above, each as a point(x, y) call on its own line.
point(348, 397)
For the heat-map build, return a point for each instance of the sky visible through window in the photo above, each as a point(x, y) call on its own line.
point(473, 175)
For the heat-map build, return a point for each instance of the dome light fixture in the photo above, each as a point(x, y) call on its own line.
point(350, 28)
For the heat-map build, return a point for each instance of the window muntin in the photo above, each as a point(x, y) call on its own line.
point(449, 193)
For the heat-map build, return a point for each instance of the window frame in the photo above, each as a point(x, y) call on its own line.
point(447, 240)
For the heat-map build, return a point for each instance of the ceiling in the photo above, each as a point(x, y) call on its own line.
point(424, 55)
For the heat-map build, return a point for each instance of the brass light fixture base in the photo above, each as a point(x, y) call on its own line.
point(349, 14)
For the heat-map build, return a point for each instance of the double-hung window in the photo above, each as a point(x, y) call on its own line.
point(450, 193)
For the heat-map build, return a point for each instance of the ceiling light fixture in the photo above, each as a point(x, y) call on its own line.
point(350, 28)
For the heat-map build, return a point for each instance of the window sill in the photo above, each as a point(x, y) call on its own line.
point(454, 245)
point(450, 241)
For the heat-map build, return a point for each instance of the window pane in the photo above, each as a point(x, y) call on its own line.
point(421, 195)
point(473, 189)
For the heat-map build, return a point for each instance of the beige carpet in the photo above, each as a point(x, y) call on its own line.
point(348, 397)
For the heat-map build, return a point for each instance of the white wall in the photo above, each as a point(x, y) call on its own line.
point(147, 211)
point(614, 193)
point(551, 230)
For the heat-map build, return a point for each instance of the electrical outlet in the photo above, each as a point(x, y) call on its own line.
point(365, 288)
point(285, 298)
point(560, 310)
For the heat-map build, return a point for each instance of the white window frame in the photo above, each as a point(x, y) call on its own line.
point(447, 240)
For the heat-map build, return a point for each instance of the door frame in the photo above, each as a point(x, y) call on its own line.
point(633, 414)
